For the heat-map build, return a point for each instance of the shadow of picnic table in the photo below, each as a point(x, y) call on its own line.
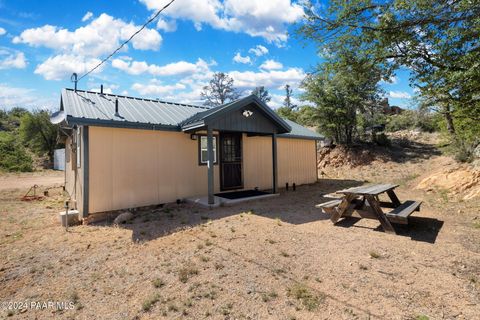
point(422, 229)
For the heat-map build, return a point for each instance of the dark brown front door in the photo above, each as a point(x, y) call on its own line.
point(231, 176)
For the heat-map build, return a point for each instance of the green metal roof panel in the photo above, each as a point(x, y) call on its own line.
point(299, 131)
point(94, 108)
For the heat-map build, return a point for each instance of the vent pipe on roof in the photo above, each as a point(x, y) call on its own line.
point(116, 108)
point(74, 79)
point(101, 88)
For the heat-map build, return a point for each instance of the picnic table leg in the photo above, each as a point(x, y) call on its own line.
point(387, 227)
point(393, 197)
point(342, 207)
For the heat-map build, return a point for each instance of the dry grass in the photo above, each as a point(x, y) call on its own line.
point(273, 259)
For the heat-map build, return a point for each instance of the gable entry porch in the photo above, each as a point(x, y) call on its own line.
point(230, 124)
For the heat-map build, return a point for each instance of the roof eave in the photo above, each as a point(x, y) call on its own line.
point(193, 126)
point(121, 124)
point(296, 136)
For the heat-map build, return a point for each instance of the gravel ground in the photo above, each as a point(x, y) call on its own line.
point(278, 258)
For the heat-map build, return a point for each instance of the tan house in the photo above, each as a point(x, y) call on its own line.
point(124, 152)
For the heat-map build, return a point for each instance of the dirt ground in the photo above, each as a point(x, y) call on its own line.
point(46, 178)
point(278, 258)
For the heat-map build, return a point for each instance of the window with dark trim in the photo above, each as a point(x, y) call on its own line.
point(202, 150)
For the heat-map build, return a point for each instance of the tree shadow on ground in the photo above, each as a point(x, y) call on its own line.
point(293, 207)
point(406, 150)
point(418, 229)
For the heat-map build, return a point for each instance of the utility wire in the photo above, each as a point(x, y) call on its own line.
point(127, 41)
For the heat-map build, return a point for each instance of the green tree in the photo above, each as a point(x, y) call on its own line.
point(436, 40)
point(343, 86)
point(287, 113)
point(13, 155)
point(39, 133)
point(307, 116)
point(262, 94)
point(287, 102)
point(220, 90)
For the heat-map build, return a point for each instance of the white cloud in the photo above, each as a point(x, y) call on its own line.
point(101, 36)
point(171, 69)
point(266, 19)
point(399, 94)
point(166, 25)
point(23, 97)
point(244, 60)
point(259, 50)
point(269, 79)
point(87, 16)
point(9, 60)
point(156, 88)
point(62, 66)
point(2, 31)
point(96, 87)
point(271, 65)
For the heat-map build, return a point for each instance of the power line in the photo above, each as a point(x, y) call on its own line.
point(127, 41)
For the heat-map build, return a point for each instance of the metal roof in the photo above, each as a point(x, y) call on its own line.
point(94, 108)
point(299, 131)
point(97, 106)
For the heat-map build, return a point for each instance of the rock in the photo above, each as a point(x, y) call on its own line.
point(476, 152)
point(123, 217)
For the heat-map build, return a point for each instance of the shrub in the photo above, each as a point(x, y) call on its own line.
point(413, 119)
point(186, 272)
point(158, 283)
point(382, 140)
point(13, 156)
point(148, 304)
point(302, 293)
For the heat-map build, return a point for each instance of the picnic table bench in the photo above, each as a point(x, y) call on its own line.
point(364, 202)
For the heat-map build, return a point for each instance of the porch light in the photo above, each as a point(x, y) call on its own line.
point(247, 113)
point(194, 136)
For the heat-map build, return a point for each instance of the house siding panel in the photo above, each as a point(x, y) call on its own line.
point(257, 162)
point(297, 161)
point(132, 168)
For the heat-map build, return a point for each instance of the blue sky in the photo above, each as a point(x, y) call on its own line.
point(43, 42)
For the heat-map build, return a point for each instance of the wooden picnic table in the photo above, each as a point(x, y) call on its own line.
point(364, 202)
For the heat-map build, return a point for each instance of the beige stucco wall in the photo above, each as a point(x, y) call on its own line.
point(296, 162)
point(257, 162)
point(132, 168)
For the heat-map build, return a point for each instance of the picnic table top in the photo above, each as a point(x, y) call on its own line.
point(374, 190)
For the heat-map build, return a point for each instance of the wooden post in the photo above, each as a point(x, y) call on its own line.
point(210, 158)
point(394, 198)
point(274, 163)
point(387, 227)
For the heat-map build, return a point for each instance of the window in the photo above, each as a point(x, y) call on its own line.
point(203, 153)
